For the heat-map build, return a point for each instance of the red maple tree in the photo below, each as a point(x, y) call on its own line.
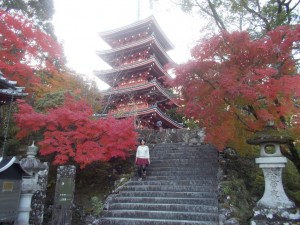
point(233, 85)
point(25, 50)
point(71, 134)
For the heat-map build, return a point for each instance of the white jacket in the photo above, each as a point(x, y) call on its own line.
point(143, 152)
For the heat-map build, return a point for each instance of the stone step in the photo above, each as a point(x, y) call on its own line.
point(194, 158)
point(200, 182)
point(172, 177)
point(164, 207)
point(188, 156)
point(180, 189)
point(144, 221)
point(166, 163)
point(169, 215)
point(168, 188)
point(177, 166)
point(180, 173)
point(166, 200)
point(170, 194)
point(179, 169)
point(202, 148)
point(204, 153)
point(183, 148)
point(185, 160)
point(182, 162)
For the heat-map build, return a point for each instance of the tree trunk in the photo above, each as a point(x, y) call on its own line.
point(293, 155)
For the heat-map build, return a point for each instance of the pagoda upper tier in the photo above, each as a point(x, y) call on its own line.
point(136, 31)
point(135, 52)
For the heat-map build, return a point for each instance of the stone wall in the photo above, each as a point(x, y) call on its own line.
point(192, 137)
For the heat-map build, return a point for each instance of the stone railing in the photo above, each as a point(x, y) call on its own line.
point(191, 137)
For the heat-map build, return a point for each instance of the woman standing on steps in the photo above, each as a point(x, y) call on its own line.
point(142, 159)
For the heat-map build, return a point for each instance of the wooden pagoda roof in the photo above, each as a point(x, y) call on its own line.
point(8, 89)
point(136, 27)
point(167, 121)
point(150, 41)
point(108, 76)
point(141, 87)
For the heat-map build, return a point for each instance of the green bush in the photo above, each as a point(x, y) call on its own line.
point(96, 206)
point(291, 181)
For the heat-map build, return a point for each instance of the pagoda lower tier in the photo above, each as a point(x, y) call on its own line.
point(146, 101)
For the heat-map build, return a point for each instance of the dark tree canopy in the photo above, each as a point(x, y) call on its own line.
point(40, 11)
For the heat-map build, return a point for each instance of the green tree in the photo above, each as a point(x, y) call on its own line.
point(255, 16)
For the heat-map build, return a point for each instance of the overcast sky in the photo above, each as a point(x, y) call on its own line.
point(77, 23)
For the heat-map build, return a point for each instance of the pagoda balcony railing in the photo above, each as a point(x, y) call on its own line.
point(129, 85)
point(139, 110)
point(138, 86)
point(141, 41)
point(131, 62)
point(127, 45)
point(130, 108)
point(135, 64)
point(130, 39)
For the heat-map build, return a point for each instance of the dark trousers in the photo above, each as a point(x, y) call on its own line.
point(141, 169)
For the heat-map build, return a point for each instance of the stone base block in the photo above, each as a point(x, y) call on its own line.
point(275, 217)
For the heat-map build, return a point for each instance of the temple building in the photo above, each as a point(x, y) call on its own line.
point(138, 58)
point(9, 92)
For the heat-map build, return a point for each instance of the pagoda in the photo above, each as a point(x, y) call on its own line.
point(138, 58)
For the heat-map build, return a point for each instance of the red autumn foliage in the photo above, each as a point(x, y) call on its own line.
point(69, 132)
point(25, 49)
point(72, 134)
point(234, 84)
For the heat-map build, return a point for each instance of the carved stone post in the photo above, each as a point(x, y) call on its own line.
point(64, 195)
point(274, 205)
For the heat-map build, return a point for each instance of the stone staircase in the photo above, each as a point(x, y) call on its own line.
point(180, 189)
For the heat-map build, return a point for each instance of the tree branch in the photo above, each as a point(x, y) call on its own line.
point(216, 16)
point(267, 24)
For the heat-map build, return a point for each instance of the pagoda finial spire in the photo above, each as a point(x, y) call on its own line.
point(138, 10)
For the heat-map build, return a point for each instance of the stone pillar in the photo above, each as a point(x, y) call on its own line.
point(39, 197)
point(25, 203)
point(64, 195)
point(29, 184)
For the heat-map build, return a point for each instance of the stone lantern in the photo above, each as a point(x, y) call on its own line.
point(274, 204)
point(32, 165)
